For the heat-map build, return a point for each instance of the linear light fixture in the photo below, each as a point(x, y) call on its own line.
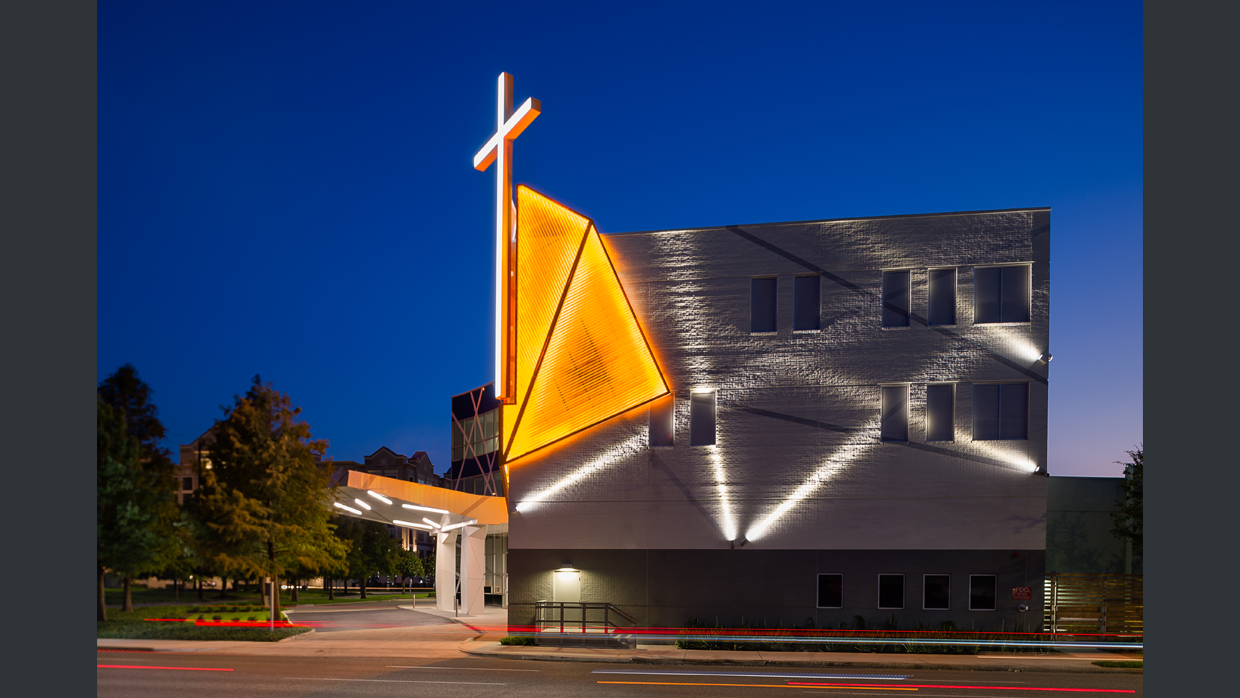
point(348, 508)
point(459, 525)
point(430, 522)
point(408, 524)
point(379, 497)
point(362, 504)
point(418, 508)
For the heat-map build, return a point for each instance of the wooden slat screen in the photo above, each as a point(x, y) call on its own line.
point(1093, 603)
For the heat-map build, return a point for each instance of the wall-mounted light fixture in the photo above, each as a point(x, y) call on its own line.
point(1045, 357)
point(567, 568)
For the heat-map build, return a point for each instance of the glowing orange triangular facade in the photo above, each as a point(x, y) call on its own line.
point(582, 357)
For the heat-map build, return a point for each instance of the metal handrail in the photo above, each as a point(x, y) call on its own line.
point(541, 620)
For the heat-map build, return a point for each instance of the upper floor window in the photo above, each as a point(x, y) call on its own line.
point(895, 413)
point(762, 305)
point(806, 303)
point(702, 418)
point(662, 422)
point(942, 291)
point(940, 408)
point(1001, 294)
point(895, 298)
point(1000, 411)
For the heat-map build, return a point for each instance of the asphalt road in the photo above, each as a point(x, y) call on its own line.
point(326, 619)
point(193, 675)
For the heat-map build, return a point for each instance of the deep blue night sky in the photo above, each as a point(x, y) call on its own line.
point(286, 188)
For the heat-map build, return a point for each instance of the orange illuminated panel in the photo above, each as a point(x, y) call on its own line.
point(548, 242)
point(592, 362)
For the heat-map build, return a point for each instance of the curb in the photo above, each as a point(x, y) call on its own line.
point(919, 666)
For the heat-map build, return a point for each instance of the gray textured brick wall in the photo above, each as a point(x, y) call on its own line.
point(798, 412)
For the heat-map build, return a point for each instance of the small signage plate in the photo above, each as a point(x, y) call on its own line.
point(1022, 593)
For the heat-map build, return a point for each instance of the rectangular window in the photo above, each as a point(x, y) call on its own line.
point(891, 591)
point(936, 595)
point(981, 592)
point(806, 303)
point(940, 410)
point(1000, 411)
point(762, 305)
point(830, 591)
point(895, 298)
point(702, 418)
point(662, 422)
point(187, 483)
point(1001, 294)
point(942, 307)
point(895, 413)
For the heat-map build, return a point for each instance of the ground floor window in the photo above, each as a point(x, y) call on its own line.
point(891, 591)
point(982, 592)
point(936, 592)
point(830, 591)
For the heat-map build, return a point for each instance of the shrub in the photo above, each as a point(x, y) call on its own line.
point(514, 640)
point(217, 617)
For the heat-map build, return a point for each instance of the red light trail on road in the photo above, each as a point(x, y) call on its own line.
point(175, 668)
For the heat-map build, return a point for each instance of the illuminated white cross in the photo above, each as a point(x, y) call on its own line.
point(509, 125)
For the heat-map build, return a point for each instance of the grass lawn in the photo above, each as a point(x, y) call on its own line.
point(137, 625)
point(317, 596)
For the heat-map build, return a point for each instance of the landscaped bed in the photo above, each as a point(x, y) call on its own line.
point(231, 622)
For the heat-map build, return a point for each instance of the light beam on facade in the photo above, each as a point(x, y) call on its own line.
point(623, 450)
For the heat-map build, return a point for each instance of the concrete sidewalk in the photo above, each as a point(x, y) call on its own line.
point(665, 654)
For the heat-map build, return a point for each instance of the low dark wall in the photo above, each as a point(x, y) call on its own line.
point(666, 588)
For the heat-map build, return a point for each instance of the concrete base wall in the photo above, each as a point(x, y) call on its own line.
point(666, 588)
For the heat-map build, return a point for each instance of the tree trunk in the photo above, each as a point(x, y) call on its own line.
point(330, 585)
point(176, 589)
point(295, 585)
point(362, 583)
point(275, 581)
point(103, 610)
point(223, 587)
point(198, 586)
point(127, 604)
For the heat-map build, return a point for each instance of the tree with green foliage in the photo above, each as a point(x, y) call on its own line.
point(1127, 518)
point(372, 550)
point(147, 484)
point(130, 522)
point(409, 564)
point(266, 507)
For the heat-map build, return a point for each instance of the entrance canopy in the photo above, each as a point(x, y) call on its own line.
point(411, 505)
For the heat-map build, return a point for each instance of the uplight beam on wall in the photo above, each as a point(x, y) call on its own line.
point(856, 445)
point(729, 524)
point(623, 450)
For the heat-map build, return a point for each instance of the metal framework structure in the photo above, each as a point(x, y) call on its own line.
point(474, 439)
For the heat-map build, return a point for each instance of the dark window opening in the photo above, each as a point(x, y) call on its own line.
point(830, 591)
point(982, 592)
point(702, 419)
point(942, 307)
point(895, 413)
point(940, 410)
point(895, 298)
point(891, 591)
point(762, 305)
point(1001, 294)
point(937, 593)
point(1000, 411)
point(806, 303)
point(662, 422)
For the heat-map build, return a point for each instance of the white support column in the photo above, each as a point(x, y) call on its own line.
point(445, 571)
point(473, 567)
